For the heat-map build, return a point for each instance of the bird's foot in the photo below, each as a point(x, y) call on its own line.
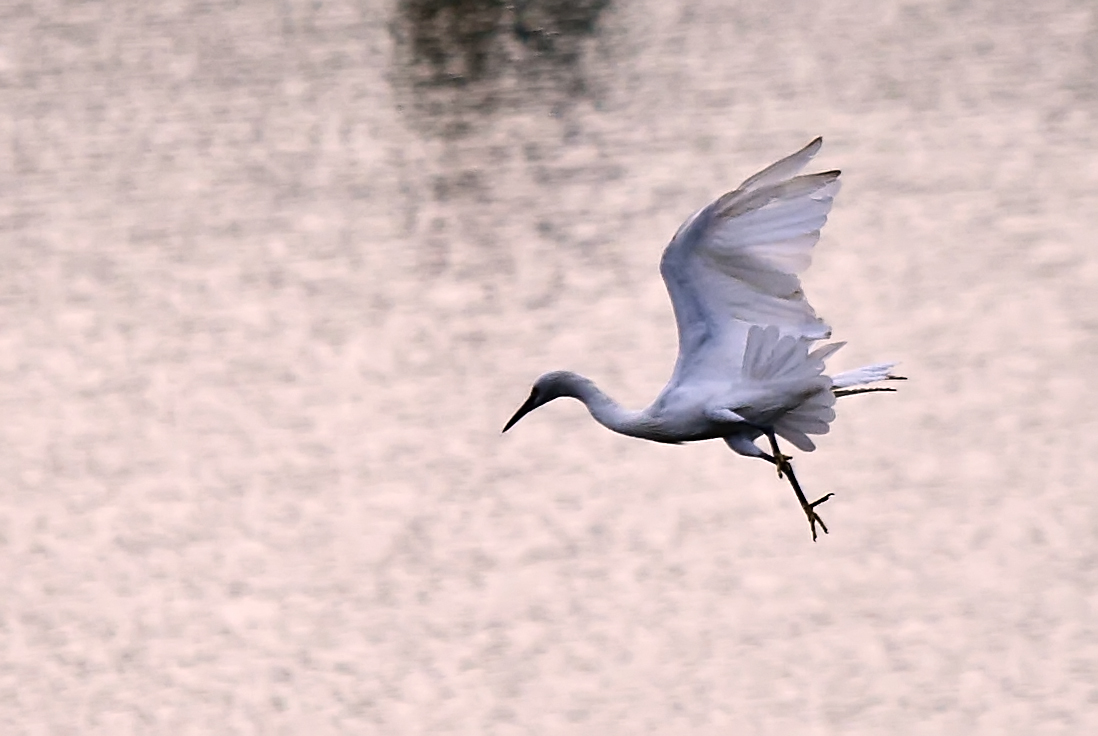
point(781, 462)
point(813, 517)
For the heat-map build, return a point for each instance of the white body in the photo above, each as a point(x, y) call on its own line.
point(746, 366)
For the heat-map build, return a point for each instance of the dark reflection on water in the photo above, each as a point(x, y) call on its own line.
point(554, 26)
point(452, 41)
point(461, 58)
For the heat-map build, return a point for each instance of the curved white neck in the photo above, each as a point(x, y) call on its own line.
point(605, 410)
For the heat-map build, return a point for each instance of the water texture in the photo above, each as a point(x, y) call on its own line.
point(273, 275)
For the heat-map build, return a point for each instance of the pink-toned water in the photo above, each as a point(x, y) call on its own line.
point(273, 275)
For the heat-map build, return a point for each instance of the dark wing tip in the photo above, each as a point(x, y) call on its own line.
point(813, 146)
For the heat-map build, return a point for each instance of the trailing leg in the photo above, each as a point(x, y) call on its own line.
point(781, 461)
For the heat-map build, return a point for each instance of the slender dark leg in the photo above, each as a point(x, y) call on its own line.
point(782, 463)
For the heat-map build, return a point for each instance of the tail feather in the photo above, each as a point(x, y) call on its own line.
point(855, 391)
point(770, 356)
point(812, 416)
point(865, 374)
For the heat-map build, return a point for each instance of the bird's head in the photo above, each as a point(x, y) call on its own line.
point(548, 387)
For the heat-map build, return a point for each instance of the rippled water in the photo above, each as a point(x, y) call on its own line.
point(272, 277)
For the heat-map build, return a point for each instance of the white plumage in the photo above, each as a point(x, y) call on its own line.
point(746, 366)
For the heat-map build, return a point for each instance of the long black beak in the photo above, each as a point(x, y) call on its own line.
point(523, 410)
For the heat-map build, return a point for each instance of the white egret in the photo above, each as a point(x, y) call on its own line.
point(746, 368)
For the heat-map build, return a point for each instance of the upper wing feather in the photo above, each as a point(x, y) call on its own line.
point(735, 263)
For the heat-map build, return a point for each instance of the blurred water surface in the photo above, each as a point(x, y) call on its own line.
point(273, 275)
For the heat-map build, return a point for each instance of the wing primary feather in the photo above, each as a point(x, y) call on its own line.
point(743, 200)
point(733, 266)
point(784, 169)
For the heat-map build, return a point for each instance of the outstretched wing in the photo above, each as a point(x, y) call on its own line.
point(734, 264)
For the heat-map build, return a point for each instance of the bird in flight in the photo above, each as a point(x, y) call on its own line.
point(748, 367)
